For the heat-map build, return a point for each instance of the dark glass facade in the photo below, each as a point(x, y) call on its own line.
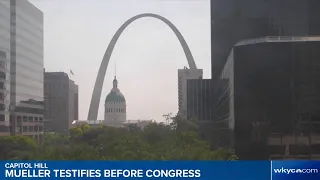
point(235, 20)
point(275, 97)
point(26, 69)
point(199, 99)
point(209, 107)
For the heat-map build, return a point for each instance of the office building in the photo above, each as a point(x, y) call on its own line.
point(4, 67)
point(208, 106)
point(26, 69)
point(183, 75)
point(200, 100)
point(61, 102)
point(236, 20)
point(274, 94)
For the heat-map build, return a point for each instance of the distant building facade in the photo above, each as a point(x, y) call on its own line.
point(61, 102)
point(115, 105)
point(26, 67)
point(208, 106)
point(183, 76)
point(236, 20)
point(274, 93)
point(99, 123)
point(4, 67)
point(200, 100)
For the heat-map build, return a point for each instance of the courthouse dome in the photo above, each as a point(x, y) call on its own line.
point(115, 95)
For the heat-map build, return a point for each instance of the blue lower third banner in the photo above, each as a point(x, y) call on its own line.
point(220, 170)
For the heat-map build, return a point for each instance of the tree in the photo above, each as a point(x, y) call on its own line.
point(157, 141)
point(17, 147)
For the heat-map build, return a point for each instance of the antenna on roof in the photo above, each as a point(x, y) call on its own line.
point(115, 68)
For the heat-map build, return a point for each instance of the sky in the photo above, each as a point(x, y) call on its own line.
point(147, 54)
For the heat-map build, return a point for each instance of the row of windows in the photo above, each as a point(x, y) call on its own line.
point(28, 119)
point(28, 19)
point(115, 102)
point(22, 129)
point(26, 63)
point(28, 59)
point(56, 85)
point(24, 82)
point(31, 128)
point(32, 44)
point(24, 77)
point(115, 110)
point(35, 55)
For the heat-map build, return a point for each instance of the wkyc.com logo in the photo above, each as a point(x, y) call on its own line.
point(295, 171)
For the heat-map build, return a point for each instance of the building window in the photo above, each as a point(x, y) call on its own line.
point(19, 118)
point(4, 128)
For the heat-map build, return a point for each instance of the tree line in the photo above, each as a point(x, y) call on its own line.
point(157, 141)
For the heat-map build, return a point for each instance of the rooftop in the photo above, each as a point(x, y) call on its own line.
point(278, 39)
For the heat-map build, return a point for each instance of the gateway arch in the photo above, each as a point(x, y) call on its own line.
point(96, 95)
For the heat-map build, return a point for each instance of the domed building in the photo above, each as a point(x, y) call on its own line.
point(115, 105)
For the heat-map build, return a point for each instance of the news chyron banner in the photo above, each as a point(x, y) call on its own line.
point(220, 170)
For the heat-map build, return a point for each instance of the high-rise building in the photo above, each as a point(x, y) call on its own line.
point(274, 92)
point(61, 102)
point(115, 105)
point(200, 100)
point(235, 20)
point(183, 76)
point(26, 69)
point(208, 106)
point(4, 67)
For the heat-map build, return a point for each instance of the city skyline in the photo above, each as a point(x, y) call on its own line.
point(150, 44)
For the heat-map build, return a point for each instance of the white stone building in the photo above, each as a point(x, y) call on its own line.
point(183, 75)
point(115, 105)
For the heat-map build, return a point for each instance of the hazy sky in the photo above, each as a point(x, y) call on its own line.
point(148, 54)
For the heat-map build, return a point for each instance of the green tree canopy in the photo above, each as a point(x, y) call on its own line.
point(156, 141)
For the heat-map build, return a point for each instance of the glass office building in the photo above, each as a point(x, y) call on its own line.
point(208, 106)
point(274, 94)
point(236, 20)
point(4, 66)
point(26, 69)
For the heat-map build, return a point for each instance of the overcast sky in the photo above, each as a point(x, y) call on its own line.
point(148, 54)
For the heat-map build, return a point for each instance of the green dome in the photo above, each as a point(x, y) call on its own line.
point(115, 96)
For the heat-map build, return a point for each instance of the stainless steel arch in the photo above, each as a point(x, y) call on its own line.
point(96, 95)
